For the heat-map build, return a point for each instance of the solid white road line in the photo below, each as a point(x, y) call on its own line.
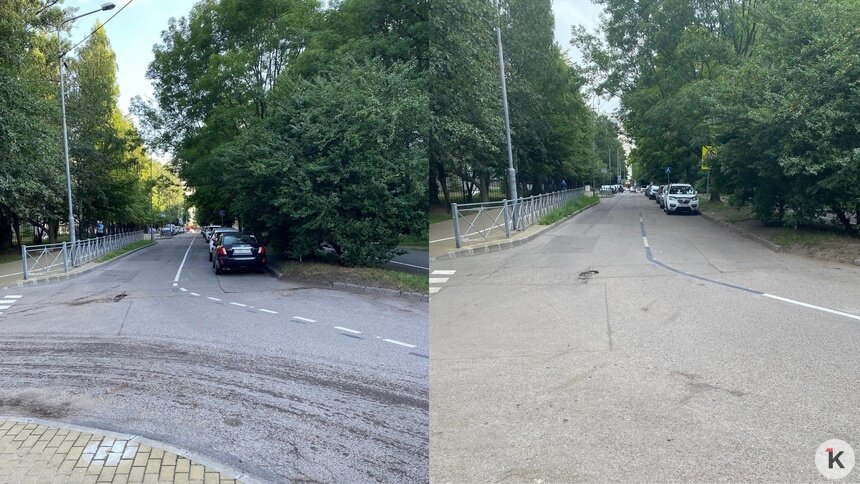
point(8, 301)
point(183, 289)
point(438, 280)
point(443, 273)
point(179, 271)
point(399, 343)
point(434, 290)
point(11, 274)
point(239, 304)
point(5, 307)
point(193, 293)
point(645, 241)
point(812, 306)
point(267, 311)
point(409, 265)
point(441, 240)
point(14, 296)
point(347, 330)
point(212, 298)
point(297, 318)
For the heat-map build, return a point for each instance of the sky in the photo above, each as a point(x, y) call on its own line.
point(134, 31)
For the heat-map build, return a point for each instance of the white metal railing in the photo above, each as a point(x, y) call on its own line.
point(46, 258)
point(479, 220)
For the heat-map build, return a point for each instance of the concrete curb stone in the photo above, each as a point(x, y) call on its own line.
point(743, 233)
point(40, 281)
point(510, 244)
point(344, 286)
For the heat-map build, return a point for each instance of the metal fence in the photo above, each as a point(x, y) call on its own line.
point(44, 259)
point(479, 221)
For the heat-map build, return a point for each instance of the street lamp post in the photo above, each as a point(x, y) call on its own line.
point(512, 174)
point(60, 55)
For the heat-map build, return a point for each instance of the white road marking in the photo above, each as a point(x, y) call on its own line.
point(812, 306)
point(645, 241)
point(239, 304)
point(183, 289)
point(443, 273)
point(212, 298)
point(399, 343)
point(175, 284)
point(347, 330)
point(438, 280)
point(193, 293)
point(408, 265)
point(5, 307)
point(11, 274)
point(179, 271)
point(8, 301)
point(267, 311)
point(14, 296)
point(434, 290)
point(441, 240)
point(297, 318)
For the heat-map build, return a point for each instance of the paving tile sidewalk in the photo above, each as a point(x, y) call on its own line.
point(33, 452)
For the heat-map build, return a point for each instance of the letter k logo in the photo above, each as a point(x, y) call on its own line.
point(831, 459)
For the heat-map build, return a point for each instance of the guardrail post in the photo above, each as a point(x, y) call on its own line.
point(507, 212)
point(65, 258)
point(24, 259)
point(456, 224)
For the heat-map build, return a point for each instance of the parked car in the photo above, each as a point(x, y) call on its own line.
point(239, 251)
point(207, 230)
point(652, 191)
point(215, 236)
point(659, 196)
point(680, 197)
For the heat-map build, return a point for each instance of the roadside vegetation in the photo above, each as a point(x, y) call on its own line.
point(772, 85)
point(323, 274)
point(128, 248)
point(568, 209)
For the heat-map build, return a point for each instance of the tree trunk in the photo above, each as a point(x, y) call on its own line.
point(443, 180)
point(16, 221)
point(53, 230)
point(844, 219)
point(484, 186)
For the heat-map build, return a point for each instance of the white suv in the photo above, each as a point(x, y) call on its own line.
point(680, 197)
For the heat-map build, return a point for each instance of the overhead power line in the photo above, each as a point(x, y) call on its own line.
point(99, 28)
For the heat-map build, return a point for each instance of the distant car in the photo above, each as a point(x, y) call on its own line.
point(239, 251)
point(680, 197)
point(207, 230)
point(215, 236)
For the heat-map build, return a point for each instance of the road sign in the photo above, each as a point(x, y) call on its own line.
point(603, 170)
point(221, 212)
point(668, 170)
point(709, 154)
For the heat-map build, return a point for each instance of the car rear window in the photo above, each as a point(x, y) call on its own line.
point(239, 239)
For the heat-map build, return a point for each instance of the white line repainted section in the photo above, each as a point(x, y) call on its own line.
point(267, 311)
point(434, 290)
point(440, 272)
point(439, 280)
point(239, 304)
point(401, 343)
point(408, 265)
point(812, 306)
point(298, 318)
point(347, 330)
point(14, 296)
point(212, 298)
point(183, 289)
point(179, 271)
point(193, 293)
point(645, 241)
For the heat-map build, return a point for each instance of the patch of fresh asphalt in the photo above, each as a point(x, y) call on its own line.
point(279, 400)
point(638, 373)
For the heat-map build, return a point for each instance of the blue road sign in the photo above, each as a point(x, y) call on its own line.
point(668, 170)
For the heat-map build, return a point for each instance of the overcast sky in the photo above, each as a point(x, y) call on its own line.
point(134, 31)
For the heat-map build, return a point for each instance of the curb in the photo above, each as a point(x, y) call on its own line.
point(206, 461)
point(510, 244)
point(743, 233)
point(345, 286)
point(73, 275)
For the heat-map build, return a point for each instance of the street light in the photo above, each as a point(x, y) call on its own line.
point(60, 55)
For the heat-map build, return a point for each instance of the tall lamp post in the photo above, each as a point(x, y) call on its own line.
point(60, 55)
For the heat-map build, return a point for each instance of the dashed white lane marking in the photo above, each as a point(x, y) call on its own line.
point(239, 304)
point(212, 298)
point(439, 280)
point(193, 293)
point(645, 241)
point(298, 318)
point(179, 271)
point(8, 301)
point(443, 273)
point(5, 307)
point(434, 290)
point(267, 311)
point(347, 330)
point(13, 296)
point(183, 289)
point(812, 306)
point(394, 341)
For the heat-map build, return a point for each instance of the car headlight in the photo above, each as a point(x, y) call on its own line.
point(672, 198)
point(695, 199)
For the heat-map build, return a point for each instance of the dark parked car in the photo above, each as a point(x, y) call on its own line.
point(239, 251)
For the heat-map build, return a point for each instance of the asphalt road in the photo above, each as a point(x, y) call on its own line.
point(413, 260)
point(686, 357)
point(285, 382)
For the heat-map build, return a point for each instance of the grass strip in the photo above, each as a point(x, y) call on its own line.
point(128, 248)
point(414, 242)
point(567, 209)
point(319, 272)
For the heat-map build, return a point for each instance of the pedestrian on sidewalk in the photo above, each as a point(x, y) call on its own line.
point(563, 185)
